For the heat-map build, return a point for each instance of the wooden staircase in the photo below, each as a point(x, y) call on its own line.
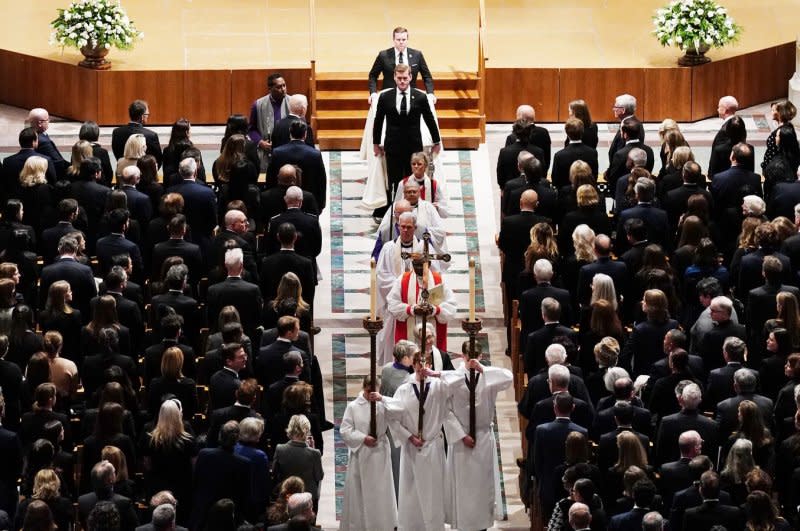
point(340, 109)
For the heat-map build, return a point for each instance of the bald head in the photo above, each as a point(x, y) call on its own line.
point(528, 200)
point(234, 219)
point(602, 245)
point(39, 119)
point(401, 206)
point(293, 197)
point(287, 175)
point(690, 444)
point(579, 516)
point(727, 107)
point(131, 175)
point(526, 112)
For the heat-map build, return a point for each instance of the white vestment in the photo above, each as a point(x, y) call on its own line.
point(473, 498)
point(390, 266)
point(439, 198)
point(428, 219)
point(422, 496)
point(369, 497)
point(375, 189)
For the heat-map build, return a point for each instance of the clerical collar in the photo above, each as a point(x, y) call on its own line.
point(407, 245)
point(285, 340)
point(576, 141)
point(176, 291)
point(631, 141)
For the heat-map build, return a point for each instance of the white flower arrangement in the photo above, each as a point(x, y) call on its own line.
point(694, 24)
point(95, 23)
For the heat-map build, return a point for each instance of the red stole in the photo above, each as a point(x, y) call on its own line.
point(401, 327)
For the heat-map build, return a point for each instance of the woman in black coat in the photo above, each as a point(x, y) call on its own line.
point(172, 382)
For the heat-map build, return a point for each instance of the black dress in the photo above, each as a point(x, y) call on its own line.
point(69, 326)
point(170, 468)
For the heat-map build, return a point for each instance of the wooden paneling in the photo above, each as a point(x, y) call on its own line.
point(598, 87)
point(667, 94)
point(249, 85)
point(163, 91)
point(507, 88)
point(206, 96)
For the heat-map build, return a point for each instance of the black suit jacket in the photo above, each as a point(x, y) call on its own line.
point(672, 426)
point(385, 63)
point(10, 469)
point(11, 384)
point(48, 244)
point(114, 244)
point(121, 134)
point(220, 416)
point(538, 389)
point(616, 270)
point(272, 203)
point(185, 306)
point(129, 315)
point(761, 307)
point(548, 199)
point(200, 206)
point(274, 266)
point(720, 384)
point(530, 308)
point(237, 292)
point(750, 271)
point(710, 348)
point(280, 133)
point(607, 452)
point(784, 197)
point(80, 278)
point(617, 168)
point(538, 342)
point(712, 513)
point(309, 159)
point(546, 452)
point(190, 253)
point(222, 389)
point(543, 412)
point(127, 511)
point(218, 474)
point(153, 354)
point(676, 201)
point(13, 164)
point(604, 423)
point(32, 427)
point(514, 239)
point(728, 412)
point(269, 366)
point(402, 131)
point(507, 167)
point(674, 476)
point(618, 142)
point(309, 234)
point(139, 205)
point(655, 220)
point(563, 160)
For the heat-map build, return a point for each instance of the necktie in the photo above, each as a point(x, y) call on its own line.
point(400, 58)
point(403, 104)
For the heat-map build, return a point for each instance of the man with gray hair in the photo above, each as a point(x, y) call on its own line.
point(103, 477)
point(304, 156)
point(637, 158)
point(309, 233)
point(726, 109)
point(676, 475)
point(66, 267)
point(300, 508)
point(712, 344)
point(624, 108)
point(538, 340)
point(580, 517)
point(236, 233)
point(200, 203)
point(163, 519)
point(558, 379)
point(237, 292)
point(298, 106)
point(653, 521)
point(745, 382)
point(655, 219)
point(688, 418)
point(530, 302)
point(139, 204)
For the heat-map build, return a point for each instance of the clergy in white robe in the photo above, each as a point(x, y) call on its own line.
point(404, 299)
point(473, 498)
point(427, 216)
point(386, 232)
point(430, 189)
point(422, 496)
point(369, 495)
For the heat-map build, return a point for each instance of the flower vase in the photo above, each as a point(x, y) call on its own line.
point(695, 56)
point(95, 57)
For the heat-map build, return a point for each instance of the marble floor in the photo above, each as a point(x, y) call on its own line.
point(342, 299)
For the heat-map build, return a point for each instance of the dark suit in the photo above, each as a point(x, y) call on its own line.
point(13, 164)
point(217, 250)
point(662, 400)
point(185, 306)
point(246, 297)
point(728, 412)
point(11, 384)
point(139, 205)
point(710, 347)
point(750, 271)
point(126, 508)
point(729, 187)
point(530, 308)
point(219, 417)
point(676, 201)
point(513, 240)
point(538, 388)
point(628, 521)
point(607, 451)
point(783, 199)
point(595, 217)
point(761, 307)
point(190, 253)
point(618, 142)
point(129, 315)
point(273, 203)
point(582, 415)
point(666, 445)
point(546, 452)
point(200, 207)
point(114, 244)
point(654, 219)
point(32, 427)
point(222, 388)
point(309, 159)
point(50, 237)
point(269, 366)
point(712, 513)
point(618, 165)
point(218, 474)
point(309, 234)
point(280, 133)
point(604, 420)
point(507, 167)
point(10, 470)
point(791, 248)
point(273, 397)
point(121, 134)
point(548, 198)
point(645, 346)
point(153, 354)
point(80, 278)
point(385, 63)
point(538, 342)
point(92, 196)
point(562, 161)
point(47, 148)
point(403, 136)
point(616, 270)
point(274, 266)
point(94, 365)
point(720, 384)
point(675, 476)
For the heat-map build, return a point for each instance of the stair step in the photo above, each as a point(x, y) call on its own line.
point(358, 81)
point(362, 76)
point(357, 133)
point(353, 118)
point(361, 95)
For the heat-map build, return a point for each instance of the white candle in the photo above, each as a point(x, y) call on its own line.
point(373, 292)
point(471, 289)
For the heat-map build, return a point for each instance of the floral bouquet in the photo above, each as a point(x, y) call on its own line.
point(695, 25)
point(94, 24)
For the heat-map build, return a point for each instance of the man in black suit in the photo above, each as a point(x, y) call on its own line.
point(92, 196)
point(623, 391)
point(274, 266)
point(539, 340)
point(236, 229)
point(272, 199)
point(11, 465)
point(604, 264)
point(128, 311)
point(539, 386)
point(644, 495)
point(575, 150)
point(729, 187)
point(558, 378)
point(745, 383)
point(139, 204)
point(630, 132)
point(176, 245)
point(241, 409)
point(13, 164)
point(749, 272)
point(791, 245)
point(536, 137)
point(607, 451)
point(223, 384)
point(298, 106)
point(712, 344)
point(402, 109)
point(235, 291)
point(116, 243)
point(654, 218)
point(33, 422)
point(688, 418)
point(624, 109)
point(662, 400)
point(220, 473)
point(139, 112)
point(784, 196)
point(163, 517)
point(515, 232)
point(530, 302)
point(761, 303)
point(399, 54)
point(269, 365)
point(308, 158)
point(184, 305)
point(690, 496)
point(103, 478)
point(726, 109)
point(676, 201)
point(170, 325)
point(508, 163)
point(39, 120)
point(200, 203)
point(677, 475)
point(712, 512)
point(273, 397)
point(534, 179)
point(636, 232)
point(720, 381)
point(309, 233)
point(79, 276)
point(67, 214)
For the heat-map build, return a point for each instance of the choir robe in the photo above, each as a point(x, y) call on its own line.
point(422, 495)
point(474, 501)
point(369, 495)
point(405, 294)
point(438, 197)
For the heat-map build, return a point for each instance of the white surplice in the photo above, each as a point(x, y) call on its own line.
point(439, 198)
point(428, 219)
point(473, 498)
point(369, 496)
point(422, 495)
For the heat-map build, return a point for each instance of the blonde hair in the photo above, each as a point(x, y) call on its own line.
point(33, 172)
point(135, 147)
point(583, 241)
point(169, 428)
point(542, 245)
point(172, 363)
point(81, 150)
point(46, 485)
point(603, 288)
point(681, 156)
point(667, 125)
point(630, 452)
point(656, 305)
point(587, 196)
point(116, 457)
point(290, 286)
point(298, 426)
